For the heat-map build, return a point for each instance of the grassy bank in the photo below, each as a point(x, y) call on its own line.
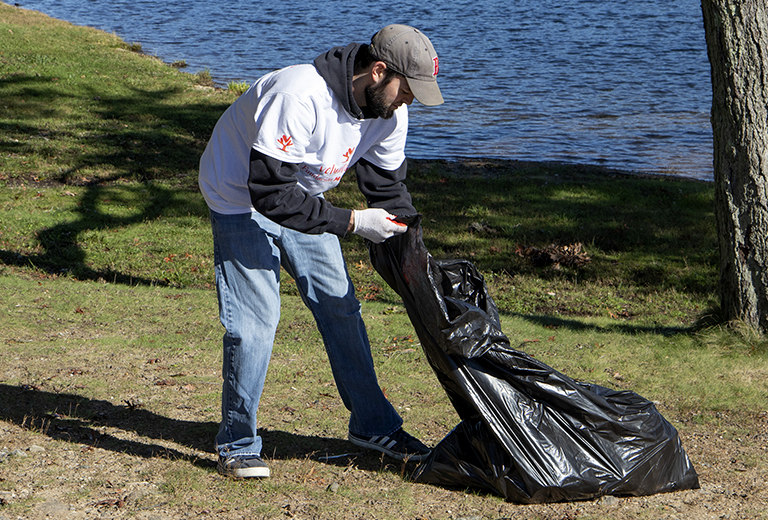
point(110, 363)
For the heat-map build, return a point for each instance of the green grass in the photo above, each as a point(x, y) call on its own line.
point(238, 87)
point(110, 330)
point(118, 114)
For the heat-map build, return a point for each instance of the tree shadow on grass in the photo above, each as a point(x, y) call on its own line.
point(61, 244)
point(81, 420)
point(88, 133)
point(624, 328)
point(140, 135)
point(648, 231)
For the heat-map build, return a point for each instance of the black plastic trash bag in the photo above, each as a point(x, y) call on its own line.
point(527, 432)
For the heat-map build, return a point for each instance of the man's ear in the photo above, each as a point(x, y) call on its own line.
point(378, 70)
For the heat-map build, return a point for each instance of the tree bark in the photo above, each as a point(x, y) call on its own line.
point(737, 45)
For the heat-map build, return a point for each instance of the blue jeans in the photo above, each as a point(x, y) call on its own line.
point(248, 252)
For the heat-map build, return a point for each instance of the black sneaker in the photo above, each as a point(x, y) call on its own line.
point(246, 466)
point(400, 445)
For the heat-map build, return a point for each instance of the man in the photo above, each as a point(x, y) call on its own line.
point(272, 155)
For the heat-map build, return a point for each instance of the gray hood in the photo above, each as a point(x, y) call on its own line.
point(337, 67)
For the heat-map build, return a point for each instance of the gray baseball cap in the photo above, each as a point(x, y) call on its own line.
point(408, 51)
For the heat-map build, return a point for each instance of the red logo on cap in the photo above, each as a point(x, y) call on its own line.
point(437, 66)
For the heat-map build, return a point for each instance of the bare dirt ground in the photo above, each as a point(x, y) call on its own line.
point(59, 467)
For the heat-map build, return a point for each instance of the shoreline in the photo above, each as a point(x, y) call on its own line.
point(560, 166)
point(221, 85)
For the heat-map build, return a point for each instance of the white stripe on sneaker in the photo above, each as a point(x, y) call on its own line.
point(400, 445)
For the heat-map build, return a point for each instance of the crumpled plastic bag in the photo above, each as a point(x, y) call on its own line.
point(527, 432)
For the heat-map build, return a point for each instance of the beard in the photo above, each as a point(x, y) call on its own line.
point(376, 103)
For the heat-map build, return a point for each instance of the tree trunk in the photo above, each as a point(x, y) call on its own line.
point(737, 44)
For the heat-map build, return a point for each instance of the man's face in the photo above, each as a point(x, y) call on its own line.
point(386, 96)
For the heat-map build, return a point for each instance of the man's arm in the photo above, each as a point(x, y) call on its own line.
point(385, 188)
point(276, 195)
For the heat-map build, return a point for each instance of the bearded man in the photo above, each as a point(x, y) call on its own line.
point(271, 156)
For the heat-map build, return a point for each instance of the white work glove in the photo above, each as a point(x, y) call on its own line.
point(376, 224)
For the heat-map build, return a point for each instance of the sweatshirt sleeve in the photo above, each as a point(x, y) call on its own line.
point(384, 188)
point(276, 194)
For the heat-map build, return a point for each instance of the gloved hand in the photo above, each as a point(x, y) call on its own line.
point(376, 224)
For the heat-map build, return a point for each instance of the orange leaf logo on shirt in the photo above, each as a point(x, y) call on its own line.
point(348, 155)
point(285, 141)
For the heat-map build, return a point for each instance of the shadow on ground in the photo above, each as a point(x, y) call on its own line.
point(79, 420)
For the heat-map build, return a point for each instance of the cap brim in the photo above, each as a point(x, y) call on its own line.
point(425, 91)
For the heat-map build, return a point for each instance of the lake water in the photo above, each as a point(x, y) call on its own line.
point(620, 83)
